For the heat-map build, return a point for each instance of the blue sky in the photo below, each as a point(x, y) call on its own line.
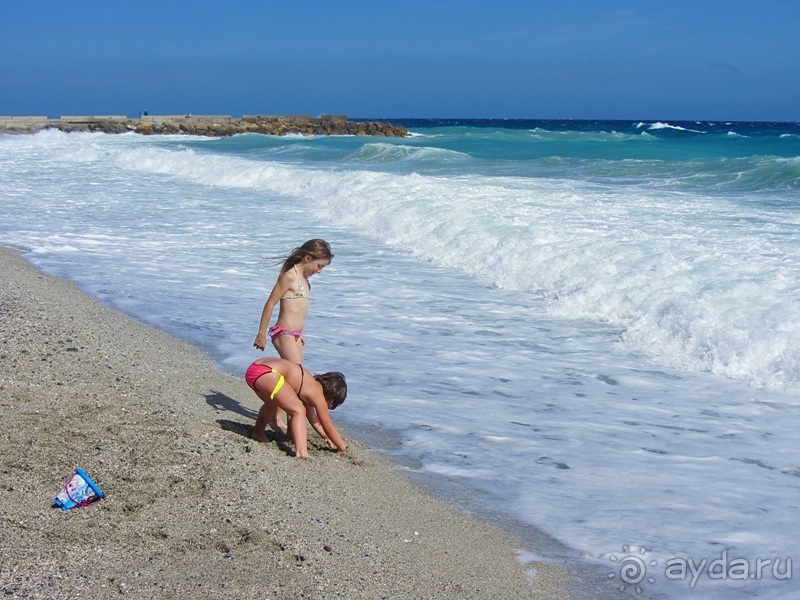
point(591, 59)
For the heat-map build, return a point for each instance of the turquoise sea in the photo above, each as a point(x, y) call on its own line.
point(586, 328)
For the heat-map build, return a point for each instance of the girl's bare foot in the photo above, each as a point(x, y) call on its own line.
point(259, 437)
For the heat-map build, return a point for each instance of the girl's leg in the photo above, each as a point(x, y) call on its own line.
point(287, 400)
point(265, 416)
point(288, 349)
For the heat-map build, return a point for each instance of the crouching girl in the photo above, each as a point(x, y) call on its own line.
point(288, 386)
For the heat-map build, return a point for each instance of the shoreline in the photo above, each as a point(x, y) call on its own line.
point(193, 505)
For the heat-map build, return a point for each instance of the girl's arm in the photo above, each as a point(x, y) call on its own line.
point(266, 315)
point(329, 431)
point(313, 418)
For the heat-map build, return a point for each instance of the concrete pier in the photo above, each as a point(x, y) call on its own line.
point(22, 124)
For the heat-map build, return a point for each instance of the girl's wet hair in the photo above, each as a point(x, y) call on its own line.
point(334, 387)
point(316, 249)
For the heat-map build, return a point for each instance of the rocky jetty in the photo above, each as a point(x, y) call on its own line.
point(206, 125)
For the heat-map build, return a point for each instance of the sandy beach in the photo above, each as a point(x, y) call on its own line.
point(193, 506)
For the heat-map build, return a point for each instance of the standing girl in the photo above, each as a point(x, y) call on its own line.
point(292, 290)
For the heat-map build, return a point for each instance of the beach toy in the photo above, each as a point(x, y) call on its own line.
point(79, 491)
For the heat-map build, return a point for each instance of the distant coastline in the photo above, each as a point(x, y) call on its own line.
point(204, 125)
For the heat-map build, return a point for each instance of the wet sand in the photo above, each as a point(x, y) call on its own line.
point(193, 506)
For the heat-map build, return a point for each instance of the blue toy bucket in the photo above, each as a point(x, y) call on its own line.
point(80, 490)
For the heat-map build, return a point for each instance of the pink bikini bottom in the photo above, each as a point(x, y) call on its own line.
point(277, 331)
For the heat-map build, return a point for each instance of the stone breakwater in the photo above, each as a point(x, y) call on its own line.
point(205, 125)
